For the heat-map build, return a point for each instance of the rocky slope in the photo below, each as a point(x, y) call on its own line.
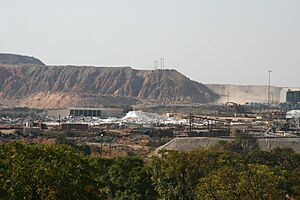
point(62, 86)
point(18, 59)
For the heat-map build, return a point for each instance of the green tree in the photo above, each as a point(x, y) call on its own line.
point(129, 179)
point(284, 158)
point(244, 143)
point(293, 180)
point(32, 171)
point(242, 181)
point(63, 140)
point(176, 174)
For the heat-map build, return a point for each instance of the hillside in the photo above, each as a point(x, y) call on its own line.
point(62, 86)
point(246, 93)
point(13, 59)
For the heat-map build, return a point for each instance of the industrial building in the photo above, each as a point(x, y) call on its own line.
point(86, 112)
point(293, 96)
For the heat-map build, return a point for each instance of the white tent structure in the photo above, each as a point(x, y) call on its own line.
point(143, 117)
point(293, 114)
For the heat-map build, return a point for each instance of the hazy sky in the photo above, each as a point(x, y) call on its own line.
point(211, 41)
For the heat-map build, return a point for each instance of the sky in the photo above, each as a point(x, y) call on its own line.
point(210, 41)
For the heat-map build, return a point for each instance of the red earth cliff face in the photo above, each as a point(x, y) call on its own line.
point(38, 85)
point(126, 84)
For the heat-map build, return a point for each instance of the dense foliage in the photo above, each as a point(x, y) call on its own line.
point(228, 171)
point(33, 171)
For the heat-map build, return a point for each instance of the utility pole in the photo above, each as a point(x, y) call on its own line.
point(190, 128)
point(245, 96)
point(101, 143)
point(269, 96)
point(156, 64)
point(59, 121)
point(228, 96)
point(162, 63)
point(269, 86)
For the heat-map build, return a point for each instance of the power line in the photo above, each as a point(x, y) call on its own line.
point(162, 63)
point(156, 64)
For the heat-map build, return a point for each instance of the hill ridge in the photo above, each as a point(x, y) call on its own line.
point(30, 85)
point(14, 59)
